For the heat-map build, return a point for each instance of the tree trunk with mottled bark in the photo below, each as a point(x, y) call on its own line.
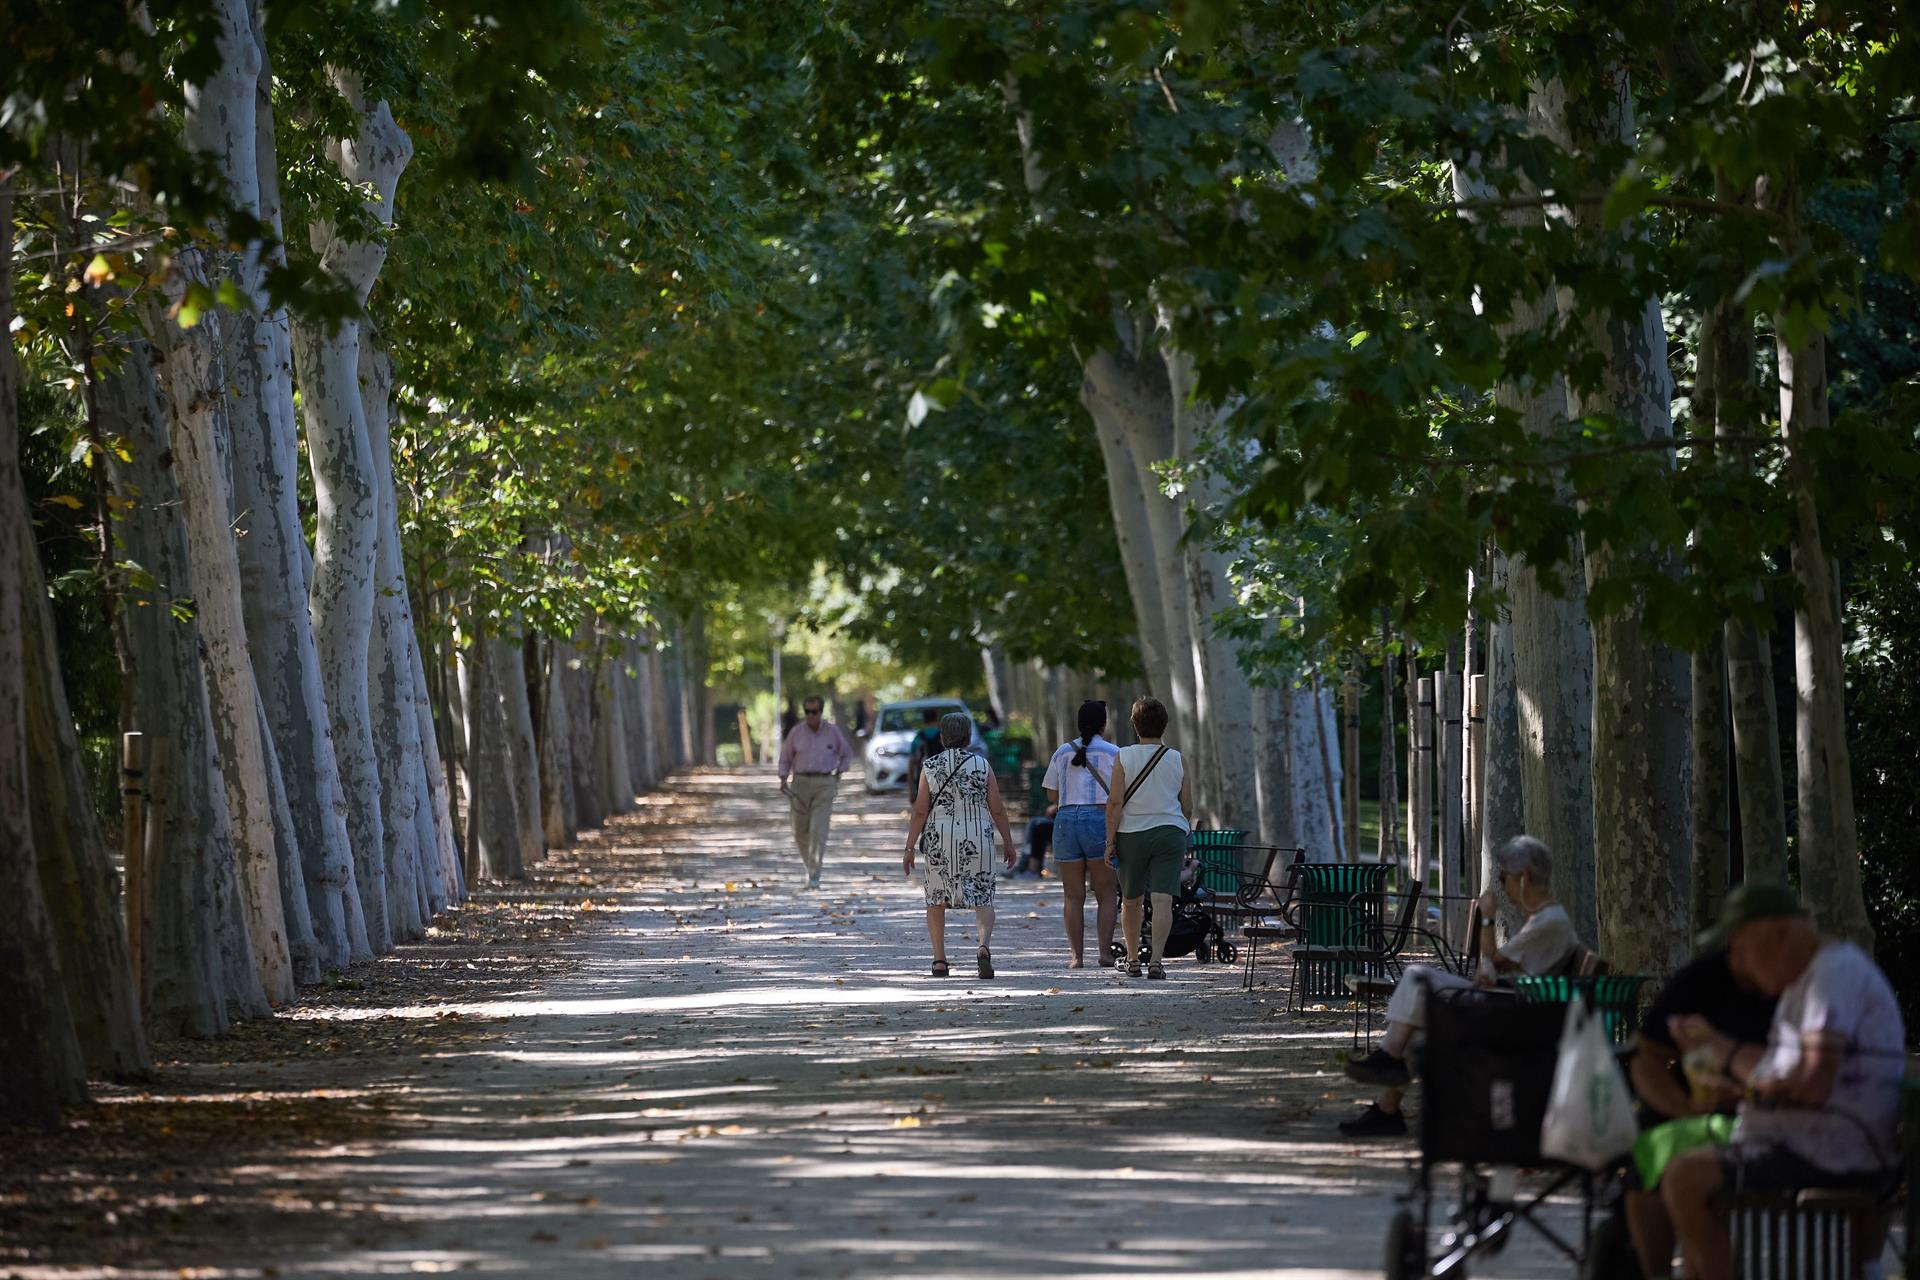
point(1552, 645)
point(510, 672)
point(492, 796)
point(346, 490)
point(41, 1066)
point(1502, 808)
point(410, 853)
point(275, 575)
point(77, 880)
point(576, 679)
point(1828, 844)
point(1712, 795)
point(1642, 757)
point(559, 821)
point(613, 771)
point(195, 961)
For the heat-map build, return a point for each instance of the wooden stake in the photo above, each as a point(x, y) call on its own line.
point(1350, 750)
point(1476, 778)
point(1420, 785)
point(746, 739)
point(1449, 692)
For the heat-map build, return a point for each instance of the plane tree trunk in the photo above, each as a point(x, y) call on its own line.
point(346, 489)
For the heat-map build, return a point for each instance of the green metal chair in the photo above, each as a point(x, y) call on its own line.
point(1218, 855)
point(1334, 903)
point(1615, 995)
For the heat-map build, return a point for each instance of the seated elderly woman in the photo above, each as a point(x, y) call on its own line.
point(1523, 872)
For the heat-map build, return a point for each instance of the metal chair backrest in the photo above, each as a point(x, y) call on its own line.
point(1615, 995)
point(1218, 853)
point(1338, 898)
point(1403, 927)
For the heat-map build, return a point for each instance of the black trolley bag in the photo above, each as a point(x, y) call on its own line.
point(1486, 1071)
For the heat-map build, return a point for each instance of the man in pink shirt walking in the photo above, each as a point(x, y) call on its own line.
point(812, 757)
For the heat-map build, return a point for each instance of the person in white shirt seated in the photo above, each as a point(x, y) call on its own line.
point(1523, 869)
point(1819, 1101)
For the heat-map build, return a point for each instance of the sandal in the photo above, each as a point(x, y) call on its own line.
point(1133, 968)
point(985, 959)
point(939, 968)
point(1156, 970)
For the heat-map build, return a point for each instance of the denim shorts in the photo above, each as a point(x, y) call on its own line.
point(1080, 833)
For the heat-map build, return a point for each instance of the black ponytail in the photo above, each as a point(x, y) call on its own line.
point(1092, 719)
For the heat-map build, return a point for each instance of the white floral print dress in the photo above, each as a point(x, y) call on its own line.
point(957, 846)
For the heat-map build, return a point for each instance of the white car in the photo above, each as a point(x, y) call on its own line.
point(891, 745)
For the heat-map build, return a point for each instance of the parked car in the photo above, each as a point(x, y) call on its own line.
point(891, 744)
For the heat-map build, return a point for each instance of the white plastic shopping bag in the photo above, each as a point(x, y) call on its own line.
point(1589, 1119)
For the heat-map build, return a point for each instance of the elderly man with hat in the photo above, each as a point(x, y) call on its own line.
point(1818, 1101)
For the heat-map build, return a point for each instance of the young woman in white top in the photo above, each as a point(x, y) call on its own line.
point(1147, 831)
point(1077, 782)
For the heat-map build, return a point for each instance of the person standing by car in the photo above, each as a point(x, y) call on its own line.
point(1076, 783)
point(925, 743)
point(814, 754)
point(1147, 823)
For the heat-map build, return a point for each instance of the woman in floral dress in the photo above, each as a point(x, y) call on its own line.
point(957, 811)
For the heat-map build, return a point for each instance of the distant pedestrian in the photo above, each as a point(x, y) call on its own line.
point(815, 754)
point(958, 810)
point(1077, 783)
point(1149, 811)
point(926, 743)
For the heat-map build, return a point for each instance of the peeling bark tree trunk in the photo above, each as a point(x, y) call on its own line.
point(79, 887)
point(646, 674)
point(1223, 693)
point(1124, 392)
point(345, 491)
point(1502, 810)
point(559, 820)
point(219, 124)
point(192, 964)
point(1274, 771)
point(1641, 752)
point(1712, 796)
point(303, 946)
point(275, 574)
point(1828, 848)
point(439, 780)
point(1756, 751)
point(194, 375)
point(1316, 786)
point(41, 1067)
point(614, 774)
point(510, 671)
point(658, 719)
point(993, 661)
point(1552, 643)
point(405, 813)
point(492, 798)
point(633, 715)
point(577, 682)
point(1739, 410)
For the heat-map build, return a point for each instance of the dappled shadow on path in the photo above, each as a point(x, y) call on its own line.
point(736, 1077)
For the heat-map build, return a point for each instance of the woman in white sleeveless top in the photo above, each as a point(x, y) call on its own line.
point(1147, 831)
point(958, 809)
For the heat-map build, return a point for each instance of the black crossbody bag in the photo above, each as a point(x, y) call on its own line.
point(1135, 784)
point(935, 802)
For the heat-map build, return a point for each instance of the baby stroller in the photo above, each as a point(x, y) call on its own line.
point(1487, 1071)
point(1196, 930)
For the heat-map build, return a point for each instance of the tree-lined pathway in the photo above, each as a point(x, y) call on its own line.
point(731, 1077)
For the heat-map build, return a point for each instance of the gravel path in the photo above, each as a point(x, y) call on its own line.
point(740, 1078)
